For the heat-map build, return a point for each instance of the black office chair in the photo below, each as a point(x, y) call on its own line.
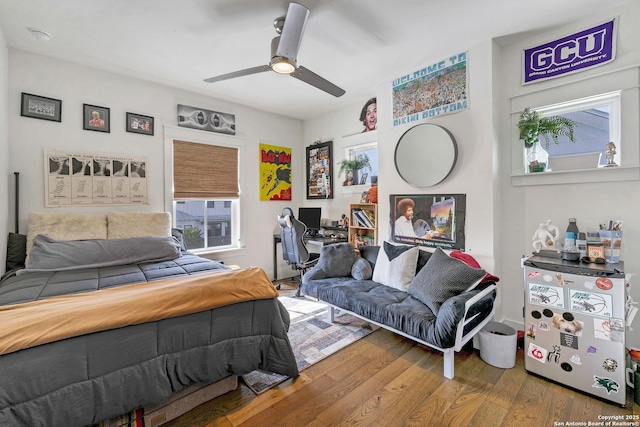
point(294, 251)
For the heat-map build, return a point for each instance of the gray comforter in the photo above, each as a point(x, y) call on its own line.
point(86, 379)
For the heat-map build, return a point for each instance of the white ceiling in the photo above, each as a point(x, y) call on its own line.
point(354, 44)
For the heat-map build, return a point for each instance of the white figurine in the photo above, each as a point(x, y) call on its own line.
point(545, 236)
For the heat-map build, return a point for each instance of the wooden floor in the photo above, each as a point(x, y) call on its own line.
point(385, 380)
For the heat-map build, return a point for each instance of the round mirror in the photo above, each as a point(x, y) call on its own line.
point(425, 155)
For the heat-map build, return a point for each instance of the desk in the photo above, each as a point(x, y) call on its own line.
point(313, 240)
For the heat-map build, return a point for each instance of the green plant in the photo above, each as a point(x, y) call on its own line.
point(532, 124)
point(360, 161)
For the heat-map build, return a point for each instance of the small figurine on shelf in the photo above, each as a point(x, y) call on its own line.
point(610, 154)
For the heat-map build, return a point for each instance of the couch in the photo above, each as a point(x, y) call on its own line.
point(435, 299)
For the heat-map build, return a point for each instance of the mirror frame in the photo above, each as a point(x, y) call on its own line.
point(423, 160)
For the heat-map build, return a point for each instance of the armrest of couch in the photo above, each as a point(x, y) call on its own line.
point(461, 312)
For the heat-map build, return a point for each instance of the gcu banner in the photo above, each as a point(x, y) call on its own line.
point(576, 52)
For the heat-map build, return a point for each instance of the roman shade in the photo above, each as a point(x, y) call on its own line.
point(203, 171)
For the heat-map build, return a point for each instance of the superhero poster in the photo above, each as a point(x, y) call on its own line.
point(275, 172)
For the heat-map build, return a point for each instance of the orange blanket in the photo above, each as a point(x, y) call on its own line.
point(40, 322)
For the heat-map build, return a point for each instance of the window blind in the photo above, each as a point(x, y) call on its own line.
point(202, 171)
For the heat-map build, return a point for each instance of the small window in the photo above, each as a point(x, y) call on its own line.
point(371, 151)
point(597, 121)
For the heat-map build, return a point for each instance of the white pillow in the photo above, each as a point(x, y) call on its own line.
point(398, 272)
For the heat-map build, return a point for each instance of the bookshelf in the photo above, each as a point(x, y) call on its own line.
point(363, 224)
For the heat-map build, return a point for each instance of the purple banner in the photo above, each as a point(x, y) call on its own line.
point(576, 52)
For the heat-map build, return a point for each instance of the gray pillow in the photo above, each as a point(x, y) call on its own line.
point(441, 278)
point(361, 269)
point(370, 253)
point(336, 260)
point(62, 255)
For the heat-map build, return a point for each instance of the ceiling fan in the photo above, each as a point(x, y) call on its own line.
point(284, 52)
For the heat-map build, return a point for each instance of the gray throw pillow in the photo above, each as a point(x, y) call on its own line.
point(361, 269)
point(370, 253)
point(441, 278)
point(336, 260)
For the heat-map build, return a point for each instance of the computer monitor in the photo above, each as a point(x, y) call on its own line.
point(311, 218)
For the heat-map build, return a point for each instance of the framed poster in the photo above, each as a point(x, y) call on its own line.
point(137, 123)
point(96, 118)
point(275, 172)
point(319, 164)
point(201, 119)
point(431, 220)
point(40, 107)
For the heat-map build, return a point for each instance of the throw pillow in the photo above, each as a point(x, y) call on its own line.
point(441, 278)
point(396, 272)
point(423, 257)
point(336, 260)
point(361, 269)
point(471, 261)
point(179, 236)
point(370, 253)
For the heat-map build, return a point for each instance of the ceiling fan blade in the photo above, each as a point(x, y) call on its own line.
point(313, 79)
point(294, 25)
point(245, 72)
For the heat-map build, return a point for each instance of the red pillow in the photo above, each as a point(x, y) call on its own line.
point(471, 262)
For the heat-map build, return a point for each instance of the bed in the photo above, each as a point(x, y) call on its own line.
point(87, 334)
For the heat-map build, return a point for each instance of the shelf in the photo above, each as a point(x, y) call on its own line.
point(363, 224)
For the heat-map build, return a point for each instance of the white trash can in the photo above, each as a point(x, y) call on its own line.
point(498, 345)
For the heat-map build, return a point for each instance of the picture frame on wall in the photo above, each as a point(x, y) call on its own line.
point(41, 107)
point(430, 220)
point(319, 170)
point(96, 118)
point(137, 123)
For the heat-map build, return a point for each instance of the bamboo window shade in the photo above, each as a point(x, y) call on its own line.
point(202, 171)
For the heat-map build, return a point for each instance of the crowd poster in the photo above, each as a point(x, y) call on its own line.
point(435, 90)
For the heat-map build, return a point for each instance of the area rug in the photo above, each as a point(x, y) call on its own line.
point(312, 338)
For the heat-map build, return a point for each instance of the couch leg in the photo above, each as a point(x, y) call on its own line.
point(448, 363)
point(330, 314)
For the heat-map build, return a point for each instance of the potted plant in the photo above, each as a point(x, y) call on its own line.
point(532, 125)
point(352, 166)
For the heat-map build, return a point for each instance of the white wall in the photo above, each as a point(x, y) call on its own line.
point(4, 148)
point(473, 130)
point(76, 85)
point(525, 207)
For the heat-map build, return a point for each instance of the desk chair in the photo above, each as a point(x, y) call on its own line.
point(294, 251)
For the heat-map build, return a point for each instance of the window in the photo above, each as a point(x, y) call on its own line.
point(597, 121)
point(205, 223)
point(206, 194)
point(371, 151)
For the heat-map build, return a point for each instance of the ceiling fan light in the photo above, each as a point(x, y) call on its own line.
point(282, 65)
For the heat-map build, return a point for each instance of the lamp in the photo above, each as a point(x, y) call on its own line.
point(282, 65)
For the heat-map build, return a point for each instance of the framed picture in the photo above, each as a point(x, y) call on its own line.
point(96, 118)
point(319, 164)
point(40, 107)
point(138, 123)
point(363, 178)
point(431, 220)
point(201, 119)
